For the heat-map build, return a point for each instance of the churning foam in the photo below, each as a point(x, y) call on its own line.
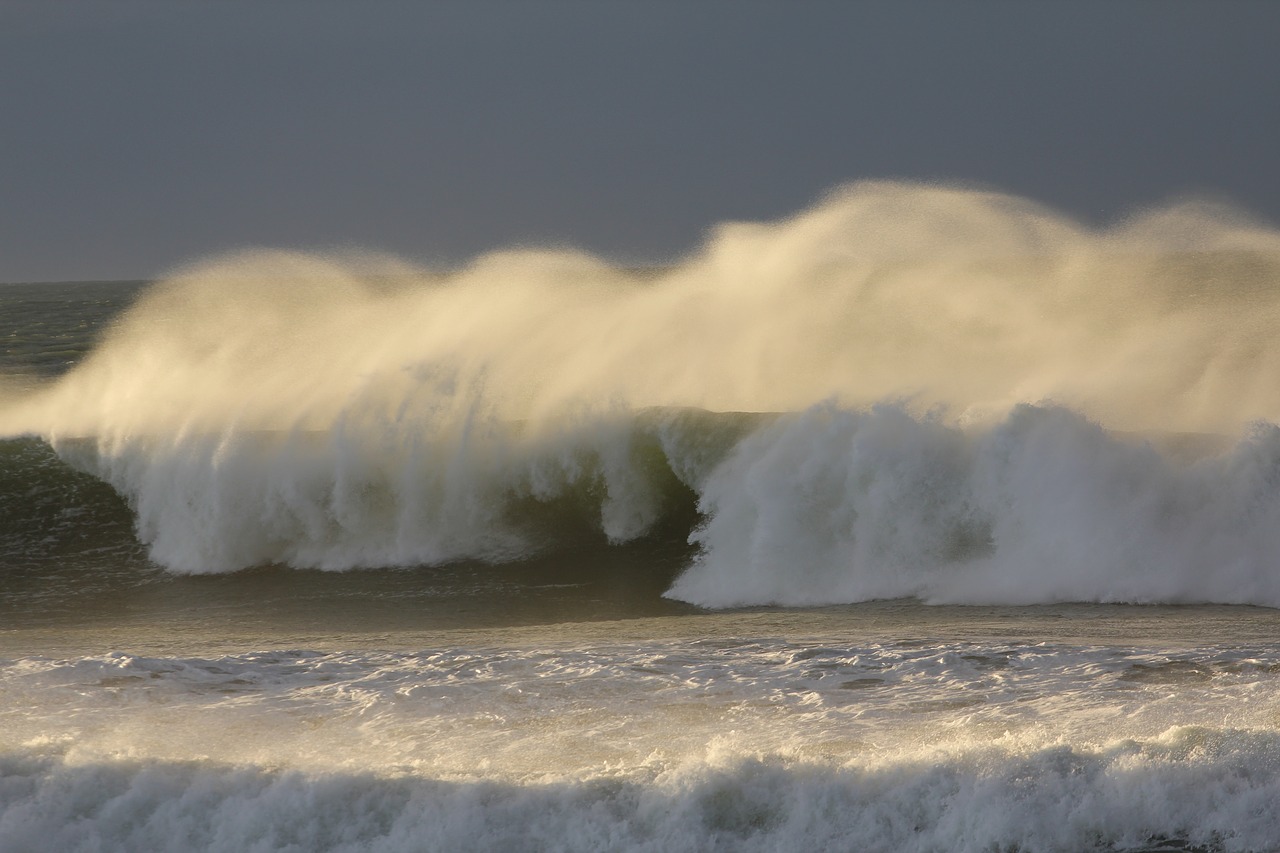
point(838, 506)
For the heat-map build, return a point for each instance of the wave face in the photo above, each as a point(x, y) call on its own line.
point(354, 498)
point(342, 412)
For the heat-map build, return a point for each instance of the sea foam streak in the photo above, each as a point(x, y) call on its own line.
point(356, 411)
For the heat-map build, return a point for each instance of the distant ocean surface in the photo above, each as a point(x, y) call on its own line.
point(277, 575)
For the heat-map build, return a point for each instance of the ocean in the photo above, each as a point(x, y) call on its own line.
point(924, 520)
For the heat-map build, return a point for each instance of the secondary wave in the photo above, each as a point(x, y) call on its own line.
point(746, 745)
point(1149, 797)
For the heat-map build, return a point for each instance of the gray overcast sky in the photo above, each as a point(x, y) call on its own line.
point(137, 135)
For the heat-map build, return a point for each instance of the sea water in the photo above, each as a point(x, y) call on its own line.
point(925, 520)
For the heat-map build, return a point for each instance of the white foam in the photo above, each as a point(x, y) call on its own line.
point(835, 506)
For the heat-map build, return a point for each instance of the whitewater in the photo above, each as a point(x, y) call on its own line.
point(928, 518)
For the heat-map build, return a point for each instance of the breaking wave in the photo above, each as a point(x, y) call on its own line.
point(919, 391)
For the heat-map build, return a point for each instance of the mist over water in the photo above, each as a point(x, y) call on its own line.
point(972, 300)
point(905, 390)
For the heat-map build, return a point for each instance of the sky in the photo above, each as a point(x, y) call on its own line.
point(135, 136)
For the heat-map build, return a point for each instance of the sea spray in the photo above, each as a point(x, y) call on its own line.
point(972, 300)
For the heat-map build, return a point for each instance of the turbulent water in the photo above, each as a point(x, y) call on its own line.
point(927, 519)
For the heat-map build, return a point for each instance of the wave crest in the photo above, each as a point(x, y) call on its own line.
point(341, 411)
